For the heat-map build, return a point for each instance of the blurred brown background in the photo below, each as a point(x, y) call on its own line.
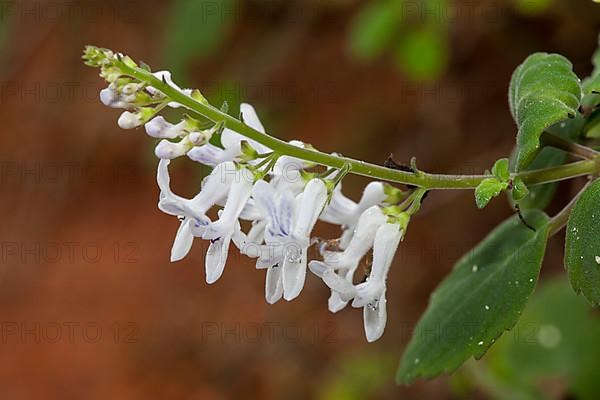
point(90, 305)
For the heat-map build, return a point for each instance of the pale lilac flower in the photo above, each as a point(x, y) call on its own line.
point(215, 188)
point(167, 149)
point(212, 155)
point(345, 212)
point(371, 294)
point(221, 231)
point(129, 120)
point(287, 235)
point(160, 128)
point(346, 262)
point(311, 203)
point(279, 208)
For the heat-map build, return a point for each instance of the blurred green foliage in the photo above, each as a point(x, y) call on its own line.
point(373, 29)
point(413, 33)
point(4, 30)
point(423, 53)
point(555, 342)
point(196, 28)
point(359, 376)
point(532, 7)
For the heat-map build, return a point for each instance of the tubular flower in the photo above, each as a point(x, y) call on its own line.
point(281, 196)
point(370, 295)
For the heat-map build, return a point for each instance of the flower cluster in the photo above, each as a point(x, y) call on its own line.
point(281, 198)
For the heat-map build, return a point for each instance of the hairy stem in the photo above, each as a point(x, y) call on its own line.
point(559, 221)
point(552, 140)
point(421, 179)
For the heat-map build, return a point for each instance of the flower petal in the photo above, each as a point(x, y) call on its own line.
point(340, 209)
point(216, 258)
point(294, 271)
point(273, 285)
point(313, 200)
point(239, 194)
point(373, 195)
point(211, 155)
point(375, 318)
point(386, 243)
point(339, 284)
point(160, 128)
point(166, 149)
point(335, 303)
point(250, 118)
point(183, 241)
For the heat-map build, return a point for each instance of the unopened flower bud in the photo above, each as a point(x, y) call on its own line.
point(198, 138)
point(160, 128)
point(110, 97)
point(129, 120)
point(170, 150)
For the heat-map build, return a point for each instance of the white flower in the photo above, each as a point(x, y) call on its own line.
point(221, 231)
point(212, 155)
point(286, 173)
point(160, 128)
point(279, 208)
point(192, 211)
point(166, 77)
point(166, 149)
point(345, 212)
point(129, 120)
point(371, 294)
point(111, 97)
point(287, 235)
point(311, 203)
point(346, 262)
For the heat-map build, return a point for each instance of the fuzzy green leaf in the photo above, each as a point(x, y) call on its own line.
point(500, 170)
point(481, 298)
point(487, 190)
point(519, 190)
point(543, 91)
point(540, 196)
point(582, 255)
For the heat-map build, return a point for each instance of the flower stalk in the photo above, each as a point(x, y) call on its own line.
point(422, 179)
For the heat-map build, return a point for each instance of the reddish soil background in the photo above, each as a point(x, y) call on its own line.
point(91, 307)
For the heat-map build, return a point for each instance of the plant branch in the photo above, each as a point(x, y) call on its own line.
point(421, 179)
point(552, 140)
point(559, 221)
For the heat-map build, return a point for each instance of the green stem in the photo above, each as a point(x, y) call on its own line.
point(552, 140)
point(421, 179)
point(559, 221)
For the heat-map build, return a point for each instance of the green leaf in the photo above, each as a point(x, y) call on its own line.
point(592, 83)
point(487, 190)
point(543, 91)
point(373, 29)
point(500, 170)
point(195, 29)
point(556, 338)
point(519, 190)
point(582, 250)
point(540, 196)
point(481, 298)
